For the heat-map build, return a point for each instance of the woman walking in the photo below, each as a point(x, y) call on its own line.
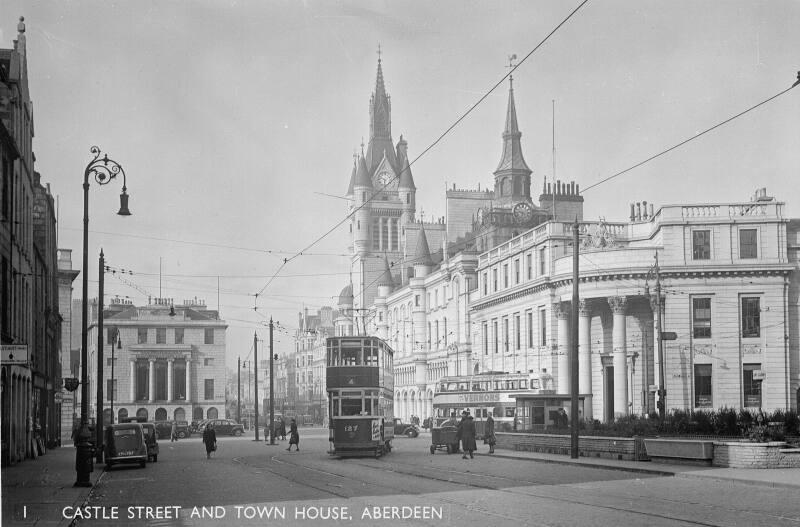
point(488, 436)
point(210, 439)
point(294, 436)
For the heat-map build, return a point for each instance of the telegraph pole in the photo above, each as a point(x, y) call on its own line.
point(662, 390)
point(271, 390)
point(573, 358)
point(239, 390)
point(255, 390)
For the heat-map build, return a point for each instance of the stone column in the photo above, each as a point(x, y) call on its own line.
point(563, 313)
point(133, 380)
point(585, 352)
point(618, 305)
point(151, 377)
point(188, 373)
point(170, 384)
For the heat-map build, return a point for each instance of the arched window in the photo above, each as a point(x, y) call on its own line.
point(212, 413)
point(180, 414)
point(197, 413)
point(142, 413)
point(122, 414)
point(161, 414)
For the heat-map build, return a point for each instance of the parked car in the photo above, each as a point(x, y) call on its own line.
point(125, 443)
point(197, 426)
point(164, 429)
point(406, 429)
point(225, 427)
point(151, 441)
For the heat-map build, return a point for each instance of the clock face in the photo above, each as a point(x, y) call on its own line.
point(384, 179)
point(523, 212)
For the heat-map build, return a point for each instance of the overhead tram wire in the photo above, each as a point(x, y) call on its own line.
point(427, 149)
point(670, 149)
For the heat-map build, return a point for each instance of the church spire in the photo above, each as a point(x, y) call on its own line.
point(512, 176)
point(380, 125)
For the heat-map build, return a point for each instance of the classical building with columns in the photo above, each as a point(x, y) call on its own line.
point(727, 274)
point(168, 360)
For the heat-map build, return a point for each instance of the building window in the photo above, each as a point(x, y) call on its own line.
point(494, 280)
point(209, 389)
point(376, 233)
point(529, 317)
point(517, 331)
point(110, 360)
point(505, 276)
point(209, 336)
point(751, 386)
point(505, 335)
point(516, 272)
point(142, 336)
point(701, 318)
point(416, 300)
point(384, 222)
point(702, 386)
point(751, 317)
point(161, 335)
point(529, 265)
point(111, 336)
point(701, 245)
point(111, 390)
point(748, 243)
point(496, 336)
point(178, 335)
point(485, 283)
point(542, 261)
point(543, 327)
point(395, 234)
point(208, 362)
point(485, 333)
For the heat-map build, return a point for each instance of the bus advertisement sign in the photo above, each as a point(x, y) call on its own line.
point(376, 430)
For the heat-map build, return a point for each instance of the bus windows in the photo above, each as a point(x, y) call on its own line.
point(476, 387)
point(534, 384)
point(370, 356)
point(523, 384)
point(510, 411)
point(351, 357)
point(351, 406)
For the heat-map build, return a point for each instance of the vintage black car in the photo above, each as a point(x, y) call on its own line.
point(223, 427)
point(164, 429)
point(405, 429)
point(125, 443)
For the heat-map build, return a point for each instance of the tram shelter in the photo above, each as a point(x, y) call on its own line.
point(538, 412)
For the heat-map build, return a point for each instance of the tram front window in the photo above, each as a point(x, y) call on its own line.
point(351, 406)
point(351, 357)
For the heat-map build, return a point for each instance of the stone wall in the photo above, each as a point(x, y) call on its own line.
point(756, 455)
point(621, 448)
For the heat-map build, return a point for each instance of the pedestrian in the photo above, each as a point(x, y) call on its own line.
point(466, 430)
point(563, 418)
point(173, 434)
point(488, 436)
point(210, 439)
point(294, 436)
point(282, 430)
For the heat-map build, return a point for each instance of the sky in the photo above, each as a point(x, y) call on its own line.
point(236, 123)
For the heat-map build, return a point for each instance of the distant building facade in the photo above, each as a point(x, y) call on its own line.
point(168, 361)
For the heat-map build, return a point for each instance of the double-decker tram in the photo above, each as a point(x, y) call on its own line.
point(481, 394)
point(360, 384)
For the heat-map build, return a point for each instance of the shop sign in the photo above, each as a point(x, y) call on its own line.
point(14, 353)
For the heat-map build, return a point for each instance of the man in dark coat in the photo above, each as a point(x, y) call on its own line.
point(210, 439)
point(488, 436)
point(467, 434)
point(294, 436)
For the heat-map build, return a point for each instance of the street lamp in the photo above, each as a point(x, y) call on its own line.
point(103, 171)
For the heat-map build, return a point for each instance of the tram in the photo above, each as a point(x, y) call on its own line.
point(481, 394)
point(360, 385)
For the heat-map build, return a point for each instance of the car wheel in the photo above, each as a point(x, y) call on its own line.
point(449, 449)
point(181, 435)
point(411, 433)
point(237, 433)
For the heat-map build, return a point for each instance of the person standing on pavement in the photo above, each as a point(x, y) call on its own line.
point(210, 439)
point(282, 430)
point(173, 434)
point(294, 436)
point(468, 436)
point(488, 436)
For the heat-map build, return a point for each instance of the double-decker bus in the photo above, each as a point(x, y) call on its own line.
point(481, 394)
point(360, 384)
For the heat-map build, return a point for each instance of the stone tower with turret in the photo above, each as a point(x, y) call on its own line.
point(382, 201)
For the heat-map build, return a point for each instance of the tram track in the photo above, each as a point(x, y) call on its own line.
point(454, 477)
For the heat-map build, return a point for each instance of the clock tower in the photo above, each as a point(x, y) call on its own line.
point(382, 200)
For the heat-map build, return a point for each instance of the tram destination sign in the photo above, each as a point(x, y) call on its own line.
point(14, 353)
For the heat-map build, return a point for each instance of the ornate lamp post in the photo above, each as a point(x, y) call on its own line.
point(103, 170)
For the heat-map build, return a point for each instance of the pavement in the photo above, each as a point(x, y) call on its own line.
point(36, 491)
